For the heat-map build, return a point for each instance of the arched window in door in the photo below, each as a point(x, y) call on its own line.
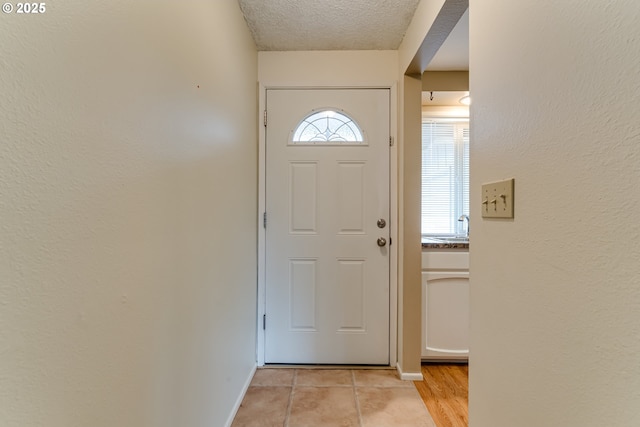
point(328, 127)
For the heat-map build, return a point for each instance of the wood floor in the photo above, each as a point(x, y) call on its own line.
point(445, 391)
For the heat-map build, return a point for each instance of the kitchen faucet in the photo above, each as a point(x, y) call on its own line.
point(461, 219)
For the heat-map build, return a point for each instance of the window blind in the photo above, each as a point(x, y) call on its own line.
point(445, 175)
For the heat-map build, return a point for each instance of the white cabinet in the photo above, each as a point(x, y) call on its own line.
point(445, 305)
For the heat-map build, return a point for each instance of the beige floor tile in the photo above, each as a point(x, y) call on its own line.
point(379, 378)
point(263, 407)
point(324, 377)
point(323, 407)
point(392, 407)
point(273, 377)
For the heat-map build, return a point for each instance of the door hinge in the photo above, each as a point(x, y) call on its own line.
point(265, 118)
point(264, 220)
point(390, 141)
point(264, 322)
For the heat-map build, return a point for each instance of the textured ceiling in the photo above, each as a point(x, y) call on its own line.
point(328, 24)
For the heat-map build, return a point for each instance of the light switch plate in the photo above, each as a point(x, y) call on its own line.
point(497, 199)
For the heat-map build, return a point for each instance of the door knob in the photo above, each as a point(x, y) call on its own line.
point(381, 223)
point(382, 241)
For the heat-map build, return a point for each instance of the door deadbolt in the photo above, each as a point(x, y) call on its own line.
point(382, 223)
point(382, 241)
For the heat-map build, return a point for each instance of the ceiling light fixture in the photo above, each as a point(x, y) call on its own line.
point(465, 100)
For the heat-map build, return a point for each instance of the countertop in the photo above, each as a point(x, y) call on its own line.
point(444, 243)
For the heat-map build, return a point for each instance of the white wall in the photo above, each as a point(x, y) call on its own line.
point(128, 214)
point(555, 325)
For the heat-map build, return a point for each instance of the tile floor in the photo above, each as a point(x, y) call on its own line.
point(297, 397)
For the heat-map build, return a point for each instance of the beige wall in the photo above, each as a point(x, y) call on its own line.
point(328, 68)
point(410, 285)
point(555, 325)
point(128, 214)
point(409, 280)
point(423, 18)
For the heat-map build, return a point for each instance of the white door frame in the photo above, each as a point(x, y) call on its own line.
point(393, 203)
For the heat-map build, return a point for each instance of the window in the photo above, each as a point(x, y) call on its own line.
point(445, 175)
point(328, 127)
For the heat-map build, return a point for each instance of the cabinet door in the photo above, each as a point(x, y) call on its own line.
point(445, 315)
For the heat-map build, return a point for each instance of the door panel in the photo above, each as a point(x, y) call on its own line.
point(351, 177)
point(303, 196)
point(327, 280)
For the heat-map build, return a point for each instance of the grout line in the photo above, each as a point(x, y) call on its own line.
point(325, 385)
point(270, 385)
point(293, 387)
point(355, 395)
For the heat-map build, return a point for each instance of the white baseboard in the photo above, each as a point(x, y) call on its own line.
point(409, 376)
point(239, 400)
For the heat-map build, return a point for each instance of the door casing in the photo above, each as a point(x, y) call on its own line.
point(393, 201)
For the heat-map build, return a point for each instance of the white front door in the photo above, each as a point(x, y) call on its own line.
point(327, 232)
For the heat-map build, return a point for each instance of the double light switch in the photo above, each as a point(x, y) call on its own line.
point(497, 199)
